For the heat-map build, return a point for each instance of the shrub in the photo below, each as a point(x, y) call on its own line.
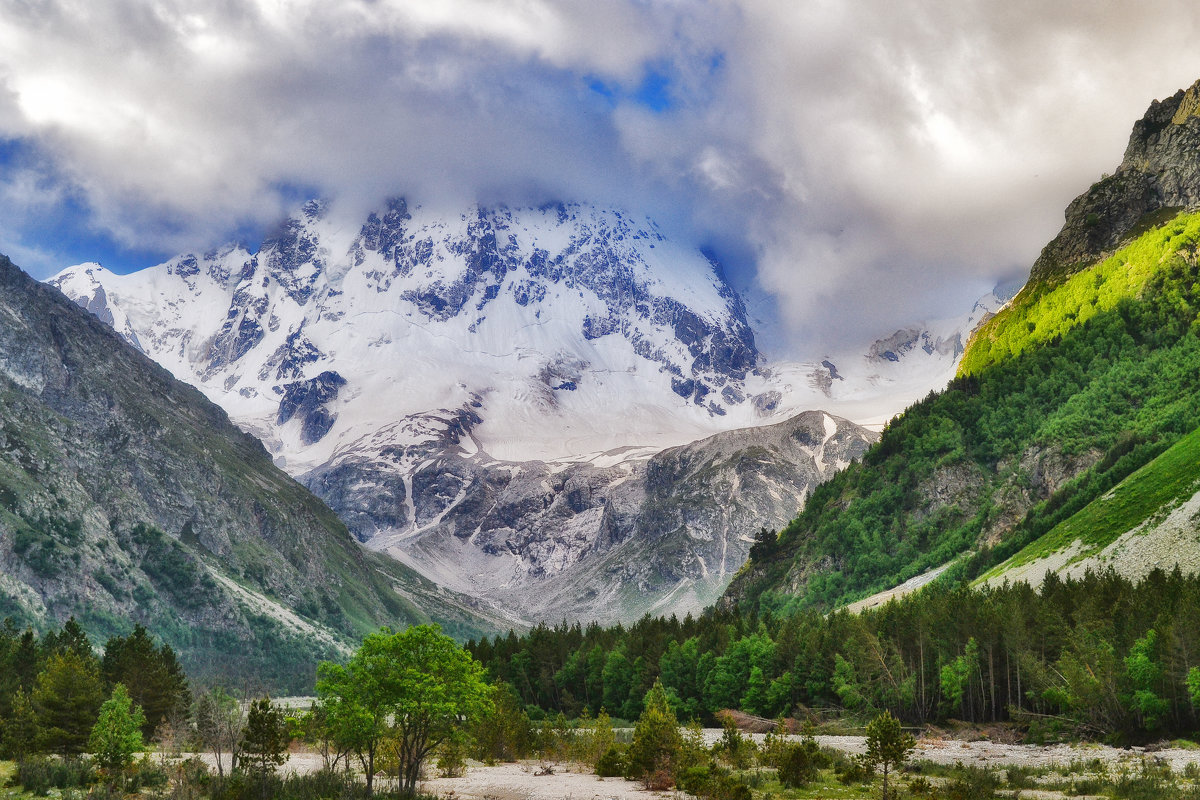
point(801, 763)
point(711, 782)
point(39, 774)
point(613, 764)
point(855, 770)
point(971, 783)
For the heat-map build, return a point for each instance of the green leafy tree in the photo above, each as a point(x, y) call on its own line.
point(656, 741)
point(117, 735)
point(845, 684)
point(755, 699)
point(417, 687)
point(1143, 673)
point(956, 676)
point(888, 746)
point(67, 696)
point(220, 720)
point(264, 741)
point(1193, 685)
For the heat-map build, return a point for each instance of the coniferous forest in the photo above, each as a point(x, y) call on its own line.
point(1101, 657)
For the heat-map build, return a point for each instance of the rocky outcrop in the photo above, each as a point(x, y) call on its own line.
point(607, 539)
point(1158, 176)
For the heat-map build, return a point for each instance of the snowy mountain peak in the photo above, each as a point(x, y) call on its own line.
point(565, 320)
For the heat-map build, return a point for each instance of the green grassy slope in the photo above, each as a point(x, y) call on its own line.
point(1147, 493)
point(1039, 314)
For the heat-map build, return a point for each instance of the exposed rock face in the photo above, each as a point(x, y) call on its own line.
point(607, 539)
point(126, 496)
point(1160, 172)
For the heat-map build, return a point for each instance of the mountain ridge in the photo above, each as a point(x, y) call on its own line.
point(125, 495)
point(1085, 378)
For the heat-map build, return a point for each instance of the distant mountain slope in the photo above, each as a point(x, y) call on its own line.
point(126, 496)
point(1091, 372)
point(612, 537)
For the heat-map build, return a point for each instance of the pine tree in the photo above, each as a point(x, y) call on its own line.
point(22, 734)
point(887, 745)
point(151, 674)
point(656, 741)
point(265, 740)
point(67, 696)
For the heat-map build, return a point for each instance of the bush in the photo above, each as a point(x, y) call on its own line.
point(1148, 783)
point(450, 760)
point(613, 764)
point(40, 774)
point(971, 783)
point(855, 770)
point(801, 762)
point(713, 783)
point(921, 787)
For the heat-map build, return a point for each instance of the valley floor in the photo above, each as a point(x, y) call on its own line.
point(522, 781)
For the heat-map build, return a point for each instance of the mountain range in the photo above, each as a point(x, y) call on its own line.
point(535, 406)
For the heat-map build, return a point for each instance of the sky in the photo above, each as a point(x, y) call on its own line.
point(856, 166)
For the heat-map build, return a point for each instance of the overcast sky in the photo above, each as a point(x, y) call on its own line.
point(866, 164)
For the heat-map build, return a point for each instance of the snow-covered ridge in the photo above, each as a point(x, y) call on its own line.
point(571, 329)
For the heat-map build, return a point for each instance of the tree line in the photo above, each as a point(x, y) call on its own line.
point(1100, 656)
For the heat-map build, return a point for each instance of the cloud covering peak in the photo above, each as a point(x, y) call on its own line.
point(873, 163)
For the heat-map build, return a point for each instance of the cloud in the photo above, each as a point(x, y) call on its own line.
point(863, 164)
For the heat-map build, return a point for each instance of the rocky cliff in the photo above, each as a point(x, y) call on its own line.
point(604, 539)
point(1158, 176)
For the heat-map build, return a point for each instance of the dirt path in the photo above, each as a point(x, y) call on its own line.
point(521, 782)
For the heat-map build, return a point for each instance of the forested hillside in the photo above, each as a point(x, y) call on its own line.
point(126, 497)
point(1027, 436)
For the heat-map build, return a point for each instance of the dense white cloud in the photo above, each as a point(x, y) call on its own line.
point(869, 162)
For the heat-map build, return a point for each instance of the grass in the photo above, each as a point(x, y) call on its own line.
point(1040, 314)
point(826, 785)
point(1147, 493)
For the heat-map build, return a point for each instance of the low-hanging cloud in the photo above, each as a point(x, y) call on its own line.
point(865, 164)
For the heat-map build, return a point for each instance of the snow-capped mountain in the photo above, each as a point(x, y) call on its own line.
point(484, 395)
point(567, 329)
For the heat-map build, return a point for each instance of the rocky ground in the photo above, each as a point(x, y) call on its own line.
point(541, 780)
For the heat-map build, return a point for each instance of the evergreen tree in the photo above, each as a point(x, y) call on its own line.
point(264, 741)
point(67, 696)
point(71, 639)
point(656, 741)
point(22, 734)
point(151, 674)
point(887, 746)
